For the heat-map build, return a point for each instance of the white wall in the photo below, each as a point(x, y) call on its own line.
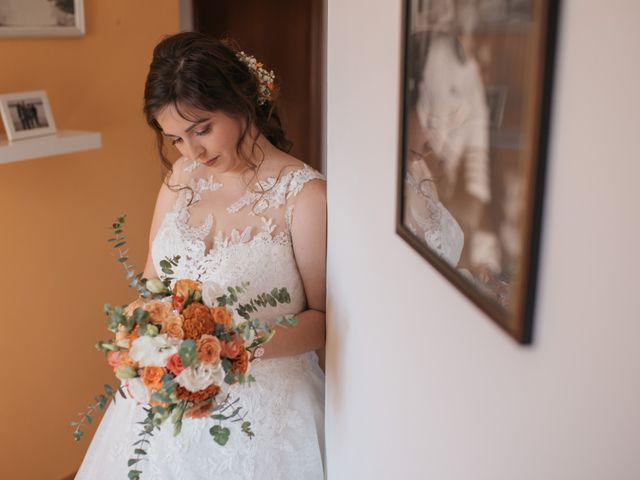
point(421, 385)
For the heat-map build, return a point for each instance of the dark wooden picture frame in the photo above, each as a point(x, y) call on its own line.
point(474, 125)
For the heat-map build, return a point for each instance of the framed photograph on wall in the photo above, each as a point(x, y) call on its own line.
point(41, 18)
point(475, 102)
point(26, 114)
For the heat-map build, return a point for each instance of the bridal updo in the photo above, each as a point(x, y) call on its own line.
point(192, 71)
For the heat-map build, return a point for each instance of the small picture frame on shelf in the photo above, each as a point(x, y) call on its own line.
point(26, 114)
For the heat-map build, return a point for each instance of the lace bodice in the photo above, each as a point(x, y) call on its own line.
point(247, 240)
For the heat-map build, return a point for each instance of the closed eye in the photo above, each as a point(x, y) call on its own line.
point(204, 131)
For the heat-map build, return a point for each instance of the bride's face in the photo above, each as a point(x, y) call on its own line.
point(210, 138)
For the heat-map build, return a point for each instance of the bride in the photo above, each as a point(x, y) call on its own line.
point(235, 207)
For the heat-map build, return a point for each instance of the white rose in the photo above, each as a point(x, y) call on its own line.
point(153, 351)
point(199, 378)
point(211, 291)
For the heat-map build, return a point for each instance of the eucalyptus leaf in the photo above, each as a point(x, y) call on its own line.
point(220, 434)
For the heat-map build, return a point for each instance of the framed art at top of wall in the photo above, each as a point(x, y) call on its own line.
point(41, 18)
point(476, 95)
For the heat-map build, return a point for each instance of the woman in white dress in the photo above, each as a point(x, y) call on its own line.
point(235, 207)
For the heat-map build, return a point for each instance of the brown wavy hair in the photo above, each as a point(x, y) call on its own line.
point(190, 70)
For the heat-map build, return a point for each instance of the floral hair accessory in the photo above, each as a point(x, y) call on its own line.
point(265, 77)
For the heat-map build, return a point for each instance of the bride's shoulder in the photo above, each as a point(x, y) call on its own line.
point(291, 172)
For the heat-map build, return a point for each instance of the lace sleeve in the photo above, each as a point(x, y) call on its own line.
point(295, 185)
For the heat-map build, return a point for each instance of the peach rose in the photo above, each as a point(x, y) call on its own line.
point(174, 364)
point(233, 348)
point(159, 312)
point(208, 349)
point(137, 303)
point(184, 286)
point(173, 327)
point(200, 410)
point(152, 377)
point(221, 316)
point(113, 358)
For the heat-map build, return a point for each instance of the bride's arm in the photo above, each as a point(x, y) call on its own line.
point(309, 238)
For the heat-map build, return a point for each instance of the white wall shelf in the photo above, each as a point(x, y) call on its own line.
point(47, 145)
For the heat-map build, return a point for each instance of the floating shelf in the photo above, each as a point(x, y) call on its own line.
point(47, 145)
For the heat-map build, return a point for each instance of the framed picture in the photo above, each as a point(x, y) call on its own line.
point(476, 95)
point(26, 114)
point(41, 18)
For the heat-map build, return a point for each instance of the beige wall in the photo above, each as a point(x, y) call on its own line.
point(420, 384)
point(56, 270)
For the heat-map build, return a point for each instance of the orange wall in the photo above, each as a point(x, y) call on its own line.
point(56, 270)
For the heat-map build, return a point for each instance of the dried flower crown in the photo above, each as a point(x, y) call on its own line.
point(265, 77)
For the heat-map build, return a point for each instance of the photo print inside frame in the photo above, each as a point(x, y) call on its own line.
point(475, 104)
point(26, 114)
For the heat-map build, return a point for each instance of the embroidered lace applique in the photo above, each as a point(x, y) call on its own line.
point(289, 186)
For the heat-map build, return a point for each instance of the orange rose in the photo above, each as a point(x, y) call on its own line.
point(241, 364)
point(221, 316)
point(159, 312)
point(173, 327)
point(174, 364)
point(233, 348)
point(177, 302)
point(208, 349)
point(200, 410)
point(197, 321)
point(183, 287)
point(152, 377)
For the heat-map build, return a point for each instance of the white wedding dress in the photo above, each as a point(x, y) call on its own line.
point(249, 241)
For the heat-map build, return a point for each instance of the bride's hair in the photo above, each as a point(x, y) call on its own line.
point(192, 71)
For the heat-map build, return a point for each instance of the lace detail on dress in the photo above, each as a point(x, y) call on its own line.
point(276, 195)
point(190, 167)
point(203, 185)
point(181, 210)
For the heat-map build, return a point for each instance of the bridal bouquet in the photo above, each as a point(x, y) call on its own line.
point(178, 348)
